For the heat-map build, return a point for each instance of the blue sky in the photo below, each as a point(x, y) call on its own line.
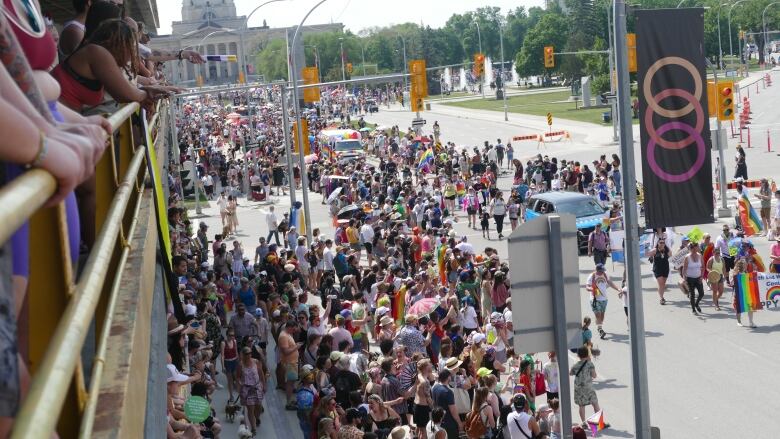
point(355, 14)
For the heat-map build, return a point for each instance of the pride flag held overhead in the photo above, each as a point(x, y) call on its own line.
point(426, 159)
point(222, 58)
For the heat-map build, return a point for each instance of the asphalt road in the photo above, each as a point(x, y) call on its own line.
point(708, 378)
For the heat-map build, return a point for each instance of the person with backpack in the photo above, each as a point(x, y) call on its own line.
point(520, 422)
point(480, 422)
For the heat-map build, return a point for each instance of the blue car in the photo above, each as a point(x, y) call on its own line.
point(585, 208)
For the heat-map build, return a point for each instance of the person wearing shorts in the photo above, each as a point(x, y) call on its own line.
point(288, 349)
point(597, 285)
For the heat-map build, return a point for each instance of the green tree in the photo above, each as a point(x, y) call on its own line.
point(546, 32)
point(271, 61)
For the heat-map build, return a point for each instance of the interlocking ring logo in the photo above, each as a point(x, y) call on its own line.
point(693, 132)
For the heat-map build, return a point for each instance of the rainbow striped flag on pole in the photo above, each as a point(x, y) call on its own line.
point(426, 159)
point(746, 293)
point(751, 222)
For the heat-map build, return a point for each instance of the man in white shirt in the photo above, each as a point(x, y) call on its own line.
point(327, 258)
point(222, 204)
point(367, 237)
point(273, 223)
point(208, 185)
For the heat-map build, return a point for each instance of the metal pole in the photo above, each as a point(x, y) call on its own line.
point(403, 41)
point(610, 56)
point(724, 211)
point(720, 47)
point(301, 161)
point(639, 386)
point(479, 40)
point(287, 143)
point(559, 319)
point(252, 139)
point(363, 56)
point(740, 41)
point(503, 82)
point(343, 72)
point(763, 21)
point(731, 49)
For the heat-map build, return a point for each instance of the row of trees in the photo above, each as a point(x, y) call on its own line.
point(583, 26)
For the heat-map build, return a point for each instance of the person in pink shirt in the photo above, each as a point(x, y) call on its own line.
point(426, 241)
point(774, 255)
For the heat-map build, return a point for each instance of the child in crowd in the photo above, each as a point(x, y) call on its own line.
point(485, 223)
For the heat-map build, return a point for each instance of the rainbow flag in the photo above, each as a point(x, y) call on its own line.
point(399, 303)
point(426, 159)
point(746, 293)
point(596, 422)
point(751, 222)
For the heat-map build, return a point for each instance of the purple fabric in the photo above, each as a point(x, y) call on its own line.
point(20, 240)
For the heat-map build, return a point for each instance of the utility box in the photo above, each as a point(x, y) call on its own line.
point(585, 87)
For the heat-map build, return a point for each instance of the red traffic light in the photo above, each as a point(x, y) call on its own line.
point(725, 91)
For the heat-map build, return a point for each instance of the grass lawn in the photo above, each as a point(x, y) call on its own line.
point(538, 105)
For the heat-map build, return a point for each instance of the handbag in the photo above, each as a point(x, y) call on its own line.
point(462, 400)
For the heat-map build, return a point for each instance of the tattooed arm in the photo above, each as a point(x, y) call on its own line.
point(12, 56)
point(169, 55)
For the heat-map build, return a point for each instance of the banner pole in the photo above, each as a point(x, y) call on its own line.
point(639, 388)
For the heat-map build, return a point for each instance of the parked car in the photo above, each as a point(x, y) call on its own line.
point(586, 209)
point(372, 106)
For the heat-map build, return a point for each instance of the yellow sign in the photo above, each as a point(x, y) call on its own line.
point(349, 68)
point(712, 99)
point(418, 103)
point(631, 44)
point(419, 81)
point(310, 75)
point(549, 57)
point(296, 140)
point(549, 119)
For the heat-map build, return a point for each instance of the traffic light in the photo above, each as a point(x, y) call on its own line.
point(631, 44)
point(349, 68)
point(479, 64)
point(418, 78)
point(549, 57)
point(296, 140)
point(310, 75)
point(725, 100)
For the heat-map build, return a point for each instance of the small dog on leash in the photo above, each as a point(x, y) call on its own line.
point(244, 432)
point(231, 409)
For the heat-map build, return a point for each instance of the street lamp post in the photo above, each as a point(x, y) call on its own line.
point(501, 71)
point(731, 48)
point(479, 40)
point(363, 57)
point(242, 63)
point(343, 72)
point(299, 128)
point(763, 22)
point(720, 47)
point(316, 60)
point(403, 41)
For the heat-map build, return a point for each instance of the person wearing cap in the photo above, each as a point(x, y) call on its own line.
point(597, 284)
point(722, 246)
point(243, 322)
point(246, 296)
point(521, 422)
point(598, 245)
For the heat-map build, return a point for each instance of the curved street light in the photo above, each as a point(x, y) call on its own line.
point(720, 47)
point(241, 62)
point(731, 48)
point(479, 40)
point(763, 22)
point(403, 41)
point(298, 127)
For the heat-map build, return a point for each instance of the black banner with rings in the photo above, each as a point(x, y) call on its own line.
point(673, 119)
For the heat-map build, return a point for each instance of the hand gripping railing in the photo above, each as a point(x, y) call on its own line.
point(120, 172)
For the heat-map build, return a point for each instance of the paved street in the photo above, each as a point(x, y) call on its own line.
point(709, 378)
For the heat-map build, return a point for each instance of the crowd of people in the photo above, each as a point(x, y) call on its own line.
point(392, 324)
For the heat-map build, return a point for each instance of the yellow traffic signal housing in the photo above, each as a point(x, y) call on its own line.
point(479, 64)
point(296, 140)
point(349, 68)
point(725, 100)
point(549, 57)
point(419, 80)
point(712, 99)
point(310, 75)
point(631, 44)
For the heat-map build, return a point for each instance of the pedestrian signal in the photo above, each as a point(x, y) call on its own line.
point(549, 57)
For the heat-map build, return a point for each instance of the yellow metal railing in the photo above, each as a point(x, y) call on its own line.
point(58, 398)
